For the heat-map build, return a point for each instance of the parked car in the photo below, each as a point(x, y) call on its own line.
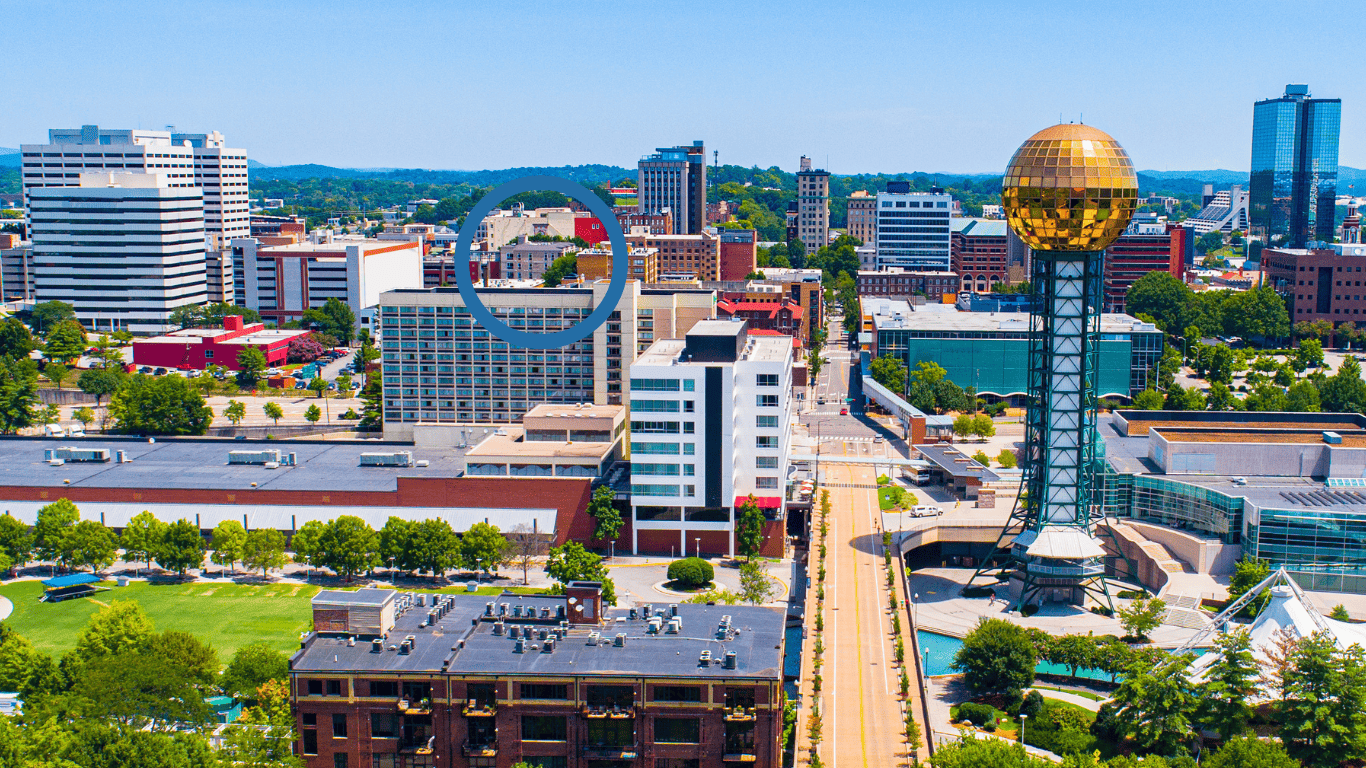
point(145, 369)
point(193, 374)
point(301, 384)
point(159, 372)
point(844, 411)
point(274, 372)
point(925, 510)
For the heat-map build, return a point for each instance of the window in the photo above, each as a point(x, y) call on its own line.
point(765, 462)
point(544, 728)
point(339, 760)
point(384, 761)
point(766, 482)
point(544, 691)
point(310, 742)
point(310, 719)
point(678, 730)
point(384, 688)
point(688, 428)
point(334, 688)
point(689, 449)
point(383, 725)
point(767, 380)
point(689, 406)
point(655, 385)
point(654, 448)
point(654, 406)
point(688, 385)
point(766, 422)
point(338, 726)
point(678, 693)
point(766, 401)
point(643, 489)
point(766, 441)
point(315, 687)
point(689, 470)
point(655, 427)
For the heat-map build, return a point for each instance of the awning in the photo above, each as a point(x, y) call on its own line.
point(764, 502)
point(72, 580)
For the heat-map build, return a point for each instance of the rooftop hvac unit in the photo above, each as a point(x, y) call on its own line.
point(254, 457)
point(396, 459)
point(71, 453)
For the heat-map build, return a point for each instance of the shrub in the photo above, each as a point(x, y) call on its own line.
point(990, 726)
point(1068, 719)
point(1032, 705)
point(350, 414)
point(884, 480)
point(977, 714)
point(1013, 701)
point(691, 572)
point(1131, 594)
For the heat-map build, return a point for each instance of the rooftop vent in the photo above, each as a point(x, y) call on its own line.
point(673, 609)
point(675, 626)
point(729, 662)
point(548, 646)
point(520, 647)
point(376, 645)
point(704, 659)
point(259, 458)
point(72, 453)
point(620, 641)
point(593, 638)
point(395, 459)
point(1332, 438)
point(498, 628)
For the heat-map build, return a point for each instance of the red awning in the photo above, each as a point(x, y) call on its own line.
point(764, 502)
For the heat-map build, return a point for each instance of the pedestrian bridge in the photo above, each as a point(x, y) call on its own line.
point(916, 425)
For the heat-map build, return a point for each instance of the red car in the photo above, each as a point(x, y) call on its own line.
point(844, 411)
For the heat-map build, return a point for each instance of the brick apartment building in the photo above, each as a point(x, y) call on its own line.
point(659, 223)
point(696, 257)
point(391, 680)
point(739, 252)
point(197, 348)
point(862, 216)
point(1319, 283)
point(1134, 255)
point(783, 315)
point(977, 252)
point(898, 283)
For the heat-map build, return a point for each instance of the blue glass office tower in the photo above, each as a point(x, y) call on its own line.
point(1294, 167)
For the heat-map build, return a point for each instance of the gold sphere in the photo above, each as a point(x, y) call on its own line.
point(1069, 188)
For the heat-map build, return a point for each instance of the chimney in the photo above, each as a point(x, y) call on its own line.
point(232, 323)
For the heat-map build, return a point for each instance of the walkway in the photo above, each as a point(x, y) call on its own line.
point(861, 702)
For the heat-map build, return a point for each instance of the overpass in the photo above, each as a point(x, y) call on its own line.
point(916, 425)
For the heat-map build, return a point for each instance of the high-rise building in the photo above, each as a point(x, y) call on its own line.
point(124, 249)
point(861, 219)
point(690, 257)
point(739, 253)
point(1294, 178)
point(1225, 212)
point(440, 366)
point(676, 178)
point(711, 425)
point(913, 228)
point(186, 159)
point(813, 206)
point(1146, 246)
point(979, 252)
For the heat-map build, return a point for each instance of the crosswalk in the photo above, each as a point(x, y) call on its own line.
point(847, 438)
point(865, 486)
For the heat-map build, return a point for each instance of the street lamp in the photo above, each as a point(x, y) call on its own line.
point(1023, 717)
point(697, 544)
point(393, 575)
point(612, 552)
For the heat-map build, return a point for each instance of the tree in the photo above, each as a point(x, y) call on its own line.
point(559, 269)
point(393, 542)
point(184, 650)
point(372, 413)
point(1229, 684)
point(1155, 708)
point(1148, 400)
point(691, 572)
point(1250, 752)
point(348, 546)
point(90, 544)
point(273, 412)
point(18, 394)
point(264, 548)
point(483, 548)
point(1006, 458)
point(970, 752)
point(50, 314)
point(1162, 296)
point(119, 628)
point(15, 339)
point(890, 372)
point(313, 414)
point(160, 405)
point(306, 542)
point(983, 427)
point(962, 425)
point(251, 366)
point(1344, 391)
point(1074, 652)
point(1257, 313)
point(318, 385)
point(139, 691)
point(755, 585)
point(607, 519)
point(571, 562)
point(1303, 397)
point(65, 342)
point(182, 548)
point(235, 412)
point(1266, 397)
point(251, 667)
point(106, 351)
point(51, 530)
point(1340, 613)
point(85, 415)
point(334, 318)
point(16, 543)
point(1141, 617)
point(749, 528)
point(996, 656)
point(228, 538)
point(431, 547)
point(1182, 399)
point(304, 349)
point(100, 382)
point(1210, 241)
point(1325, 692)
point(1309, 354)
point(56, 373)
point(142, 537)
point(1248, 572)
point(527, 545)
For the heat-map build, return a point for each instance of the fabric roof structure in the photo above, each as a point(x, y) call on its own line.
point(71, 580)
point(1061, 543)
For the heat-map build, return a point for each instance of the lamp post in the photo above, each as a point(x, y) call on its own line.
point(393, 575)
point(612, 551)
point(697, 545)
point(1023, 717)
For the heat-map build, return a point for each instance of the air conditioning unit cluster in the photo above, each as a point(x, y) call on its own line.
point(396, 459)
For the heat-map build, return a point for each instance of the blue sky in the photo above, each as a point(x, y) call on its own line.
point(876, 86)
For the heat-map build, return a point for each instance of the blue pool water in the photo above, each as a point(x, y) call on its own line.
point(942, 648)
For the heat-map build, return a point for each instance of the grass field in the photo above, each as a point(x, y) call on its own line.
point(227, 616)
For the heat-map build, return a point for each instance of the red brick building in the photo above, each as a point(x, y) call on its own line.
point(194, 349)
point(897, 283)
point(784, 316)
point(977, 253)
point(590, 229)
point(739, 252)
point(408, 680)
point(1134, 255)
point(661, 223)
point(1320, 283)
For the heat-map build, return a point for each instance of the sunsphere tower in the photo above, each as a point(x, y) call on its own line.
point(1069, 192)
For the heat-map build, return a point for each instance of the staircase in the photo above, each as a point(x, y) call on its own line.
point(1184, 611)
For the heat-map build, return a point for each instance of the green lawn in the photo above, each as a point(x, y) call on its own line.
point(228, 616)
point(893, 497)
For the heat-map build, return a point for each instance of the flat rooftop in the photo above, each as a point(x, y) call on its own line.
point(898, 315)
point(511, 443)
point(1191, 434)
point(956, 462)
point(203, 464)
point(580, 410)
point(463, 643)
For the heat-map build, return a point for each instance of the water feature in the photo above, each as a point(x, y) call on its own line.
point(942, 648)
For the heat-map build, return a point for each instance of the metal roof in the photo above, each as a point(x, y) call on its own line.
point(71, 580)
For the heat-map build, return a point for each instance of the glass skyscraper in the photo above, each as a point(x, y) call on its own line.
point(1294, 167)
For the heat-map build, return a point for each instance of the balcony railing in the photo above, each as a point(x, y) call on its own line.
point(480, 750)
point(418, 746)
point(1067, 571)
point(607, 752)
point(747, 756)
point(740, 714)
point(410, 707)
point(613, 712)
point(474, 708)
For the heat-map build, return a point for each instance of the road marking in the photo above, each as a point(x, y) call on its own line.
point(858, 624)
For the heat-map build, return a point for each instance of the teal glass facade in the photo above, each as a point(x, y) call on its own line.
point(1293, 184)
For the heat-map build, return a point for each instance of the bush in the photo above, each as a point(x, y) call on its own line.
point(1032, 705)
point(990, 726)
point(977, 714)
point(691, 572)
point(350, 414)
point(1131, 594)
point(884, 480)
point(1013, 701)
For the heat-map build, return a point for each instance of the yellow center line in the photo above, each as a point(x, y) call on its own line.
point(858, 622)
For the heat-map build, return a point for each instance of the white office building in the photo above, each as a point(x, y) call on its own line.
point(813, 206)
point(1226, 212)
point(124, 249)
point(711, 423)
point(186, 159)
point(913, 228)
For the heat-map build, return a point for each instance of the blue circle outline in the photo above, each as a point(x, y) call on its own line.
point(567, 336)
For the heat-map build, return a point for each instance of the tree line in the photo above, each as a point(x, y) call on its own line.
point(129, 695)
